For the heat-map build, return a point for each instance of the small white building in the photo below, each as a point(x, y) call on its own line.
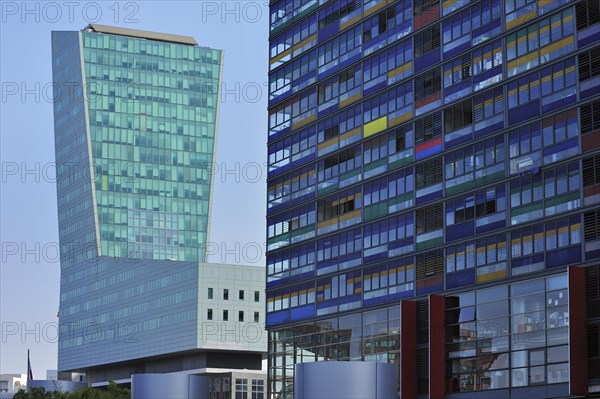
point(12, 382)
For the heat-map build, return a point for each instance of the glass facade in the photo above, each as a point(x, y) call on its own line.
point(427, 147)
point(135, 140)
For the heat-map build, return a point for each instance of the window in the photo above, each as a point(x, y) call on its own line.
point(482, 252)
point(524, 147)
point(258, 389)
point(589, 64)
point(256, 296)
point(241, 388)
point(524, 90)
point(225, 315)
point(590, 117)
point(485, 59)
point(558, 129)
point(429, 173)
point(339, 204)
point(548, 236)
point(225, 294)
point(430, 264)
point(457, 71)
point(588, 14)
point(336, 10)
point(458, 116)
point(427, 84)
point(456, 27)
point(591, 225)
point(423, 5)
point(488, 104)
point(517, 11)
point(558, 84)
point(209, 314)
point(256, 317)
point(241, 295)
point(483, 14)
point(340, 48)
point(429, 219)
point(591, 171)
point(428, 127)
point(241, 315)
point(427, 40)
point(210, 293)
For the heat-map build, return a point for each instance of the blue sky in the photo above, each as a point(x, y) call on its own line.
point(29, 272)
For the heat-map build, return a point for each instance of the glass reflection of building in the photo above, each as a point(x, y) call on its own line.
point(431, 161)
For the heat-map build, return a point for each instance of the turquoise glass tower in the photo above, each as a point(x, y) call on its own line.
point(135, 131)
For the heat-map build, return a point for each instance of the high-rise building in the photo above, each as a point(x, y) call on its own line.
point(135, 130)
point(434, 193)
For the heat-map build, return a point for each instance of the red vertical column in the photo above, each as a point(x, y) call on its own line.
point(408, 347)
point(437, 348)
point(577, 332)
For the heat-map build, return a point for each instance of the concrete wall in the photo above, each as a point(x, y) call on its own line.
point(349, 380)
point(168, 386)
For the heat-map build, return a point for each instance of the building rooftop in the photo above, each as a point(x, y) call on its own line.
point(143, 34)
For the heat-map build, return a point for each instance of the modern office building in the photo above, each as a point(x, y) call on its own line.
point(434, 193)
point(135, 130)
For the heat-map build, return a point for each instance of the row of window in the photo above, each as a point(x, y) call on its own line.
point(225, 315)
point(487, 256)
point(241, 294)
point(394, 236)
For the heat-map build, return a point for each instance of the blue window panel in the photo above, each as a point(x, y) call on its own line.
point(493, 225)
point(563, 256)
point(462, 230)
point(327, 266)
point(459, 136)
point(399, 31)
point(430, 288)
point(327, 111)
point(429, 193)
point(277, 283)
point(348, 261)
point(461, 45)
point(280, 133)
point(303, 312)
point(401, 295)
point(329, 72)
point(351, 59)
point(489, 126)
point(375, 257)
point(328, 303)
point(486, 32)
point(560, 151)
point(561, 100)
point(590, 87)
point(487, 78)
point(592, 250)
point(524, 112)
point(374, 45)
point(426, 60)
point(457, 92)
point(403, 243)
point(588, 36)
point(302, 276)
point(281, 316)
point(527, 261)
point(349, 299)
point(327, 32)
point(460, 279)
point(375, 301)
point(279, 98)
point(374, 88)
point(301, 82)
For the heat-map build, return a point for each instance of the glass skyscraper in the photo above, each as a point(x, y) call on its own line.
point(135, 127)
point(434, 193)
